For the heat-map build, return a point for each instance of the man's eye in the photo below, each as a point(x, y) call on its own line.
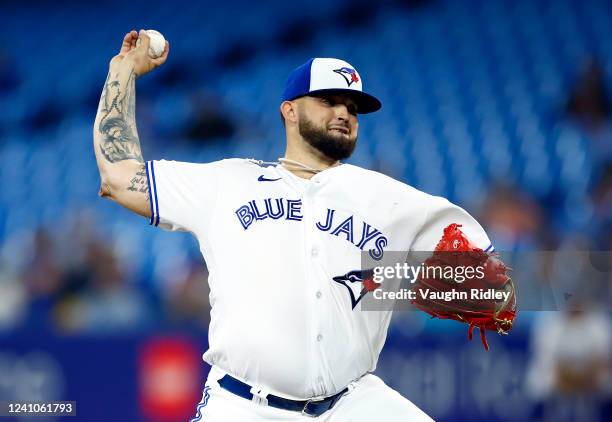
point(326, 101)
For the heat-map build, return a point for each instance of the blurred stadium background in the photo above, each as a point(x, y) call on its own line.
point(501, 106)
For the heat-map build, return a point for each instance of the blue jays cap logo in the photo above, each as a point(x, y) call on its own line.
point(358, 283)
point(349, 75)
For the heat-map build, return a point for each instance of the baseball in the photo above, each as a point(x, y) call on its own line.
point(157, 45)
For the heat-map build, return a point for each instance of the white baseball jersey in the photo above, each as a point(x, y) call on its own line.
point(274, 242)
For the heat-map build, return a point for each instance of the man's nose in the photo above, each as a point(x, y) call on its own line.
point(342, 112)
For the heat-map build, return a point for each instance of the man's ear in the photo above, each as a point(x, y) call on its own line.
point(288, 110)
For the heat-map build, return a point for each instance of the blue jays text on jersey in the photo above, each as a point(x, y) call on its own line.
point(364, 236)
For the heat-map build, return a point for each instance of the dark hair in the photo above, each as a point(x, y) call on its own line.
point(282, 118)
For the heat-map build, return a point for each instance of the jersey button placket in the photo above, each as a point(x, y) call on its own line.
point(311, 254)
point(319, 259)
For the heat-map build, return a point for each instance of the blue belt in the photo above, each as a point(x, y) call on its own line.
point(306, 407)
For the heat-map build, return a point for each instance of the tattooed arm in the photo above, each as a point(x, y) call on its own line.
point(116, 142)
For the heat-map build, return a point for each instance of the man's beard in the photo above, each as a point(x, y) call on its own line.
point(332, 145)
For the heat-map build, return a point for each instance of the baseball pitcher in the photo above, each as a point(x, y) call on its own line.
point(282, 242)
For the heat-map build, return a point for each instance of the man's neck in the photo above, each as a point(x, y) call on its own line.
point(308, 157)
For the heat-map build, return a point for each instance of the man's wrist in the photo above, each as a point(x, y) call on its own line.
point(122, 66)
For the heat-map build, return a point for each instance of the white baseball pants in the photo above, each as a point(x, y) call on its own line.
point(368, 399)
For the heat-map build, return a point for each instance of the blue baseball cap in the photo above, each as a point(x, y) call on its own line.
point(333, 76)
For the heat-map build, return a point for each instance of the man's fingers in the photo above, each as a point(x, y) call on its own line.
point(162, 59)
point(144, 40)
point(125, 44)
point(134, 35)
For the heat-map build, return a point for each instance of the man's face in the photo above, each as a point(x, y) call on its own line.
point(329, 124)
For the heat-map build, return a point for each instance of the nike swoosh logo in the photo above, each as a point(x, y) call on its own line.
point(263, 179)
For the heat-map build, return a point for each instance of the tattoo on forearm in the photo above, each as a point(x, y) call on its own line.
point(102, 105)
point(139, 182)
point(118, 124)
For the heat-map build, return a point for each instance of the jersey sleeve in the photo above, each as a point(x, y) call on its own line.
point(182, 195)
point(440, 214)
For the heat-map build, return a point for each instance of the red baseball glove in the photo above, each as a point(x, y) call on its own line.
point(484, 298)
